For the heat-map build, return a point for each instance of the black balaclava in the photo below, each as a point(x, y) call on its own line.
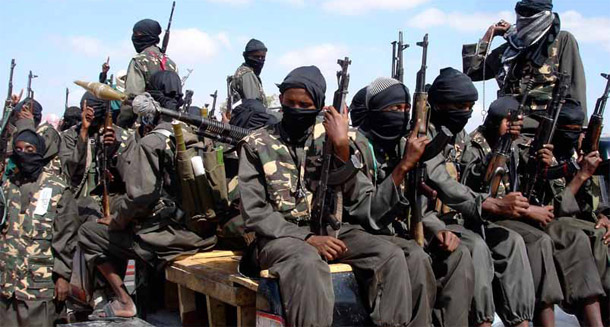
point(386, 127)
point(150, 31)
point(297, 122)
point(251, 114)
point(451, 86)
point(498, 110)
point(254, 63)
point(72, 116)
point(566, 141)
point(36, 111)
point(357, 110)
point(99, 110)
point(166, 88)
point(30, 165)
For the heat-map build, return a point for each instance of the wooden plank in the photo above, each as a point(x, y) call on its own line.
point(201, 283)
point(217, 313)
point(246, 316)
point(209, 254)
point(187, 306)
point(246, 282)
point(334, 268)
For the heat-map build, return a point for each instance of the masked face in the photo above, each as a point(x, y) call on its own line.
point(298, 113)
point(142, 41)
point(389, 124)
point(256, 60)
point(29, 162)
point(453, 117)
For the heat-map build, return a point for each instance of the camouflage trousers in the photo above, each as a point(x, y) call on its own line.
point(15, 312)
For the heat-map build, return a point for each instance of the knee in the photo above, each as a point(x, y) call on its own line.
point(417, 256)
point(86, 231)
point(545, 243)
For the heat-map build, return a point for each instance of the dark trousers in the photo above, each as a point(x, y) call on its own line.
point(15, 312)
point(540, 253)
point(306, 286)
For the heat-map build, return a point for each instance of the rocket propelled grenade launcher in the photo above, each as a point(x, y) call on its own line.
point(102, 91)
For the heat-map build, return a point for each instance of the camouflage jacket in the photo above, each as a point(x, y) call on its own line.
point(246, 85)
point(564, 56)
point(143, 66)
point(277, 182)
point(81, 161)
point(37, 240)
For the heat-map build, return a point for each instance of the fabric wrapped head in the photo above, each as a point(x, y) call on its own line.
point(36, 110)
point(452, 86)
point(254, 45)
point(499, 109)
point(72, 116)
point(251, 114)
point(32, 138)
point(99, 106)
point(533, 6)
point(309, 78)
point(166, 88)
point(145, 34)
point(357, 110)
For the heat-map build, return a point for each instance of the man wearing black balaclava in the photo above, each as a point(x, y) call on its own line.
point(536, 47)
point(40, 202)
point(498, 253)
point(251, 114)
point(531, 226)
point(278, 171)
point(72, 117)
point(580, 231)
point(246, 82)
point(152, 197)
point(148, 60)
point(381, 140)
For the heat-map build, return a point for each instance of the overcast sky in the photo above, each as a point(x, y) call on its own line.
point(64, 40)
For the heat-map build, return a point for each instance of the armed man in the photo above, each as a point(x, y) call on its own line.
point(580, 228)
point(72, 116)
point(535, 47)
point(499, 254)
point(247, 82)
point(36, 239)
point(475, 161)
point(278, 167)
point(146, 223)
point(380, 140)
point(149, 60)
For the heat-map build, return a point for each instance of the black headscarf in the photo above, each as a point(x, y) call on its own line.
point(99, 107)
point(255, 63)
point(150, 31)
point(357, 110)
point(571, 113)
point(386, 127)
point(533, 5)
point(36, 111)
point(309, 78)
point(30, 165)
point(451, 87)
point(251, 114)
point(298, 122)
point(499, 109)
point(72, 116)
point(166, 88)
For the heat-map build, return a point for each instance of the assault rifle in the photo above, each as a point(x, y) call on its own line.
point(398, 47)
point(420, 192)
point(533, 184)
point(169, 25)
point(67, 96)
point(496, 168)
point(8, 109)
point(596, 123)
point(326, 207)
point(30, 91)
point(213, 111)
point(229, 96)
point(188, 100)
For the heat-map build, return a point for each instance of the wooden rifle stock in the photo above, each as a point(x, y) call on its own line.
point(596, 123)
